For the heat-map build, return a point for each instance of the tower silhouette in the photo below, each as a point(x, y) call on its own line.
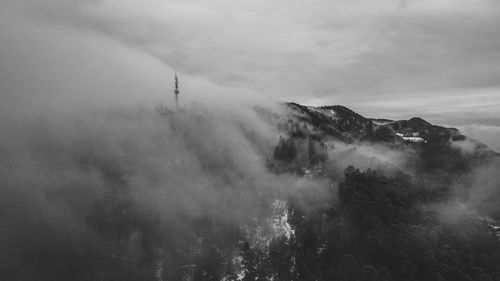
point(176, 91)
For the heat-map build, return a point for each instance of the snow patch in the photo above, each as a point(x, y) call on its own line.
point(411, 138)
point(381, 123)
point(280, 219)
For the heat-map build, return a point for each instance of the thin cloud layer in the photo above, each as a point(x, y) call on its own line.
point(490, 135)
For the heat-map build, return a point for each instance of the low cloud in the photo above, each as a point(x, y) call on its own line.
point(63, 176)
point(487, 134)
point(368, 156)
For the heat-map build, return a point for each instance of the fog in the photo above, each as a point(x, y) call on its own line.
point(46, 66)
point(68, 175)
point(190, 165)
point(484, 191)
point(384, 158)
point(92, 146)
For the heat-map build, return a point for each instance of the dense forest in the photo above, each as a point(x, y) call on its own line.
point(192, 195)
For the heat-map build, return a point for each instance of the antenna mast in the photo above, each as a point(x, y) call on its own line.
point(176, 91)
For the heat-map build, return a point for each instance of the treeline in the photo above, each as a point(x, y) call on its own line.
point(368, 225)
point(381, 232)
point(372, 227)
point(384, 226)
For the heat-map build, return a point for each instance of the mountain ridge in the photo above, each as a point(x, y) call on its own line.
point(341, 122)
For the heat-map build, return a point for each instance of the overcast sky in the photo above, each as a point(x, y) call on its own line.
point(438, 59)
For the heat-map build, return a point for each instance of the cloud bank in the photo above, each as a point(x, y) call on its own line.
point(73, 186)
point(375, 57)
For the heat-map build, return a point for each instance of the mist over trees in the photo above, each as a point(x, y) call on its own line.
point(282, 193)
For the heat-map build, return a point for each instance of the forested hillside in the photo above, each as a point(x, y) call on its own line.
point(284, 193)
